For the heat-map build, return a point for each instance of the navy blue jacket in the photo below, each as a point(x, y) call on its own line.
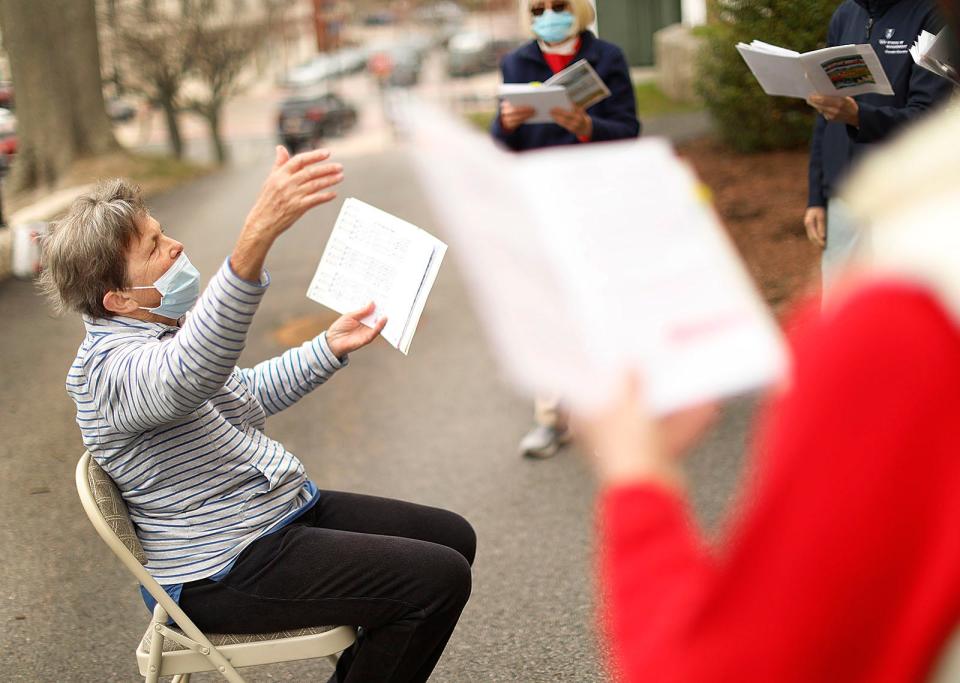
point(614, 118)
point(891, 26)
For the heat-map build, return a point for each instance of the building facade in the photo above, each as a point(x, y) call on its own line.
point(632, 23)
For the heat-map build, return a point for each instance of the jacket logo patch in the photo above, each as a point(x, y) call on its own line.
point(890, 32)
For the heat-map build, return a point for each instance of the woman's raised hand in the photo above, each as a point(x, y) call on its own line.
point(295, 185)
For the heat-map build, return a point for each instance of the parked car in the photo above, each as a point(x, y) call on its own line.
point(309, 116)
point(120, 109)
point(470, 53)
point(6, 95)
point(8, 138)
point(381, 18)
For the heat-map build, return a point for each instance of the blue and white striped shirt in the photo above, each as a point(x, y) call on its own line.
point(177, 425)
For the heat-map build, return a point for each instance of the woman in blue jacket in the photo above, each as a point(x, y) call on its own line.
point(561, 38)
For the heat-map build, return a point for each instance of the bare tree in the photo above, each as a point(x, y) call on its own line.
point(55, 61)
point(200, 47)
point(222, 49)
point(157, 56)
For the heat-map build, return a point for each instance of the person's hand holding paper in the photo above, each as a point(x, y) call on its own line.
point(628, 444)
point(842, 109)
point(576, 120)
point(512, 117)
point(348, 332)
point(537, 96)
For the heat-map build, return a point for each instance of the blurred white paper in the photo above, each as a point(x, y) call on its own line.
point(622, 267)
point(374, 256)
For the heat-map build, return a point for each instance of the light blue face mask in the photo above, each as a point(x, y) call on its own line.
point(553, 27)
point(179, 289)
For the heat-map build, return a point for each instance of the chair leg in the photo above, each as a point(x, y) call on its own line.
point(181, 678)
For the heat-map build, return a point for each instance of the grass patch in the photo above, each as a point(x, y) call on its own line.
point(651, 102)
point(480, 119)
point(153, 172)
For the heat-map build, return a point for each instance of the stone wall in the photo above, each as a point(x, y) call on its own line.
point(676, 49)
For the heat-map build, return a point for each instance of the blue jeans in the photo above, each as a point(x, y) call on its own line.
point(843, 239)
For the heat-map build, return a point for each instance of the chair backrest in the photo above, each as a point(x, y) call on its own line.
point(110, 505)
point(108, 513)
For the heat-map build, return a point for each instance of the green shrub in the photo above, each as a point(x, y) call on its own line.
point(748, 119)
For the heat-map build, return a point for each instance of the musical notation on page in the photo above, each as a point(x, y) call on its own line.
point(374, 256)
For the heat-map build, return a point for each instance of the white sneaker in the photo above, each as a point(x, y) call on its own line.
point(543, 441)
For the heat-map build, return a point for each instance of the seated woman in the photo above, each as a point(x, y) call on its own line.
point(844, 562)
point(232, 526)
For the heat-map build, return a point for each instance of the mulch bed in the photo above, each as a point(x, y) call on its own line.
point(761, 199)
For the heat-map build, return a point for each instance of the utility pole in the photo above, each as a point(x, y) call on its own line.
point(320, 8)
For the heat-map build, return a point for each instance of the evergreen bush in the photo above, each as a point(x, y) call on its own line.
point(747, 119)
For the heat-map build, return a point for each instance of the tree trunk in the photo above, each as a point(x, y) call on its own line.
point(55, 62)
point(216, 136)
point(173, 127)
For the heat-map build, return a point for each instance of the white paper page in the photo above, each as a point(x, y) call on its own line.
point(778, 74)
point(429, 277)
point(576, 284)
point(373, 256)
point(933, 53)
point(846, 71)
point(655, 271)
point(584, 86)
point(772, 49)
point(937, 47)
point(515, 293)
point(542, 98)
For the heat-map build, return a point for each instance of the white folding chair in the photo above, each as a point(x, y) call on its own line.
point(183, 649)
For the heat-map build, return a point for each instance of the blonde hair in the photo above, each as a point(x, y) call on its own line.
point(584, 14)
point(84, 257)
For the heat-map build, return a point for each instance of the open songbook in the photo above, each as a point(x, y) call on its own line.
point(374, 256)
point(578, 84)
point(933, 53)
point(583, 85)
point(541, 97)
point(621, 267)
point(843, 71)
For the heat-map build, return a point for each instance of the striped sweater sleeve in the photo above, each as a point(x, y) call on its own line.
point(138, 386)
point(280, 382)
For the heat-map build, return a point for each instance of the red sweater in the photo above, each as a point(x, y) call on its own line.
point(844, 562)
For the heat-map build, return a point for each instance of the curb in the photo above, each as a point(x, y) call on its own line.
point(46, 209)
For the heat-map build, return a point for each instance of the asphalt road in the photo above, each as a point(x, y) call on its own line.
point(438, 427)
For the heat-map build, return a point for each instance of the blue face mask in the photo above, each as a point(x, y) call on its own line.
point(179, 289)
point(553, 27)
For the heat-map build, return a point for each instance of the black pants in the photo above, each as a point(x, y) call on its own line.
point(398, 570)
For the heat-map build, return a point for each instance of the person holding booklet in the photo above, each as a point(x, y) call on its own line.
point(561, 39)
point(232, 526)
point(842, 563)
point(847, 126)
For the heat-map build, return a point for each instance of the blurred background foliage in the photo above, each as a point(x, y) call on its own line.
point(746, 118)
